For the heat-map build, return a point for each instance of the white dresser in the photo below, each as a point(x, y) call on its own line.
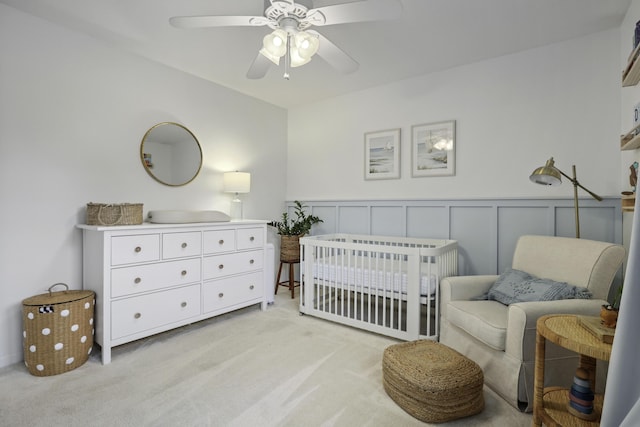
point(150, 278)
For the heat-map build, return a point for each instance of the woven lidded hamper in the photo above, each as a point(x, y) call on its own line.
point(57, 330)
point(114, 213)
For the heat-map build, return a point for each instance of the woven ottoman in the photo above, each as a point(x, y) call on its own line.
point(431, 381)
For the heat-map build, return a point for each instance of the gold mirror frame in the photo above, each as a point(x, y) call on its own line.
point(171, 137)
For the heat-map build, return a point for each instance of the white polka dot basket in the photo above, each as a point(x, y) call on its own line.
point(58, 330)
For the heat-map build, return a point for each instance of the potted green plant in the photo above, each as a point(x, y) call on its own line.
point(291, 229)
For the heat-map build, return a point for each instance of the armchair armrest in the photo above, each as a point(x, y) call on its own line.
point(521, 325)
point(465, 287)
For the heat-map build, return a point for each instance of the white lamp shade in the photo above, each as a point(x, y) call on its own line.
point(275, 59)
point(307, 45)
point(275, 43)
point(237, 182)
point(296, 59)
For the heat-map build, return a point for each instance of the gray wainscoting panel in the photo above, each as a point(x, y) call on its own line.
point(595, 222)
point(565, 221)
point(428, 222)
point(329, 219)
point(353, 219)
point(388, 221)
point(514, 221)
point(486, 230)
point(475, 225)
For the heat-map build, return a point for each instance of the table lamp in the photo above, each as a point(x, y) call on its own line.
point(236, 182)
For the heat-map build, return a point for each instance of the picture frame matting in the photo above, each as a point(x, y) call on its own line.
point(382, 154)
point(433, 149)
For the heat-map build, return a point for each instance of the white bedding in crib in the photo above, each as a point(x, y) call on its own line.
point(383, 275)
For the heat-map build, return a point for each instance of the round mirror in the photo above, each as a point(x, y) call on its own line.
point(171, 154)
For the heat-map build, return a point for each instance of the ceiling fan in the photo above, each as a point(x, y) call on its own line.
point(292, 37)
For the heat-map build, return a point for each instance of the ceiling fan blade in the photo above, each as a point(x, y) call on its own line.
point(335, 56)
point(359, 11)
point(217, 21)
point(259, 67)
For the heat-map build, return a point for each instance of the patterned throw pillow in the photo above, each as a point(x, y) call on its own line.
point(518, 286)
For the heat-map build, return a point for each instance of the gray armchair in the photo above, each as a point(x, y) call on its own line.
point(501, 338)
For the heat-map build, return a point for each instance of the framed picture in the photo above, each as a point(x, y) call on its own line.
point(433, 149)
point(382, 154)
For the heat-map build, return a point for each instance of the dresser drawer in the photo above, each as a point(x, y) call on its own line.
point(137, 314)
point(250, 238)
point(177, 245)
point(219, 241)
point(150, 277)
point(132, 249)
point(217, 266)
point(220, 294)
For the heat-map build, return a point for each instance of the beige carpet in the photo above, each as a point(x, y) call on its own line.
point(247, 368)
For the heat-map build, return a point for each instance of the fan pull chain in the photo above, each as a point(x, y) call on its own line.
point(287, 58)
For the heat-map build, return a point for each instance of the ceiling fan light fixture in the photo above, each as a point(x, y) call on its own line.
point(275, 43)
point(273, 58)
point(296, 58)
point(307, 44)
point(287, 18)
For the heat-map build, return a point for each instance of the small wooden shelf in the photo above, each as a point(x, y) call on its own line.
point(631, 73)
point(631, 140)
point(555, 407)
point(628, 203)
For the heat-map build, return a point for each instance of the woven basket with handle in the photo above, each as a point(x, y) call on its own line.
point(114, 214)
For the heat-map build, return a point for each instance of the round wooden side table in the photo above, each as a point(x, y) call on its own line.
point(550, 404)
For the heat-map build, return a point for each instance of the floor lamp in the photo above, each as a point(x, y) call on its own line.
point(551, 175)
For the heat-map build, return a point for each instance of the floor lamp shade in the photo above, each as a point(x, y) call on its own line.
point(549, 174)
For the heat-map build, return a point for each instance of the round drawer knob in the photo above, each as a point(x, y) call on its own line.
point(137, 316)
point(221, 266)
point(184, 245)
point(138, 249)
point(251, 287)
point(251, 239)
point(221, 242)
point(137, 280)
point(220, 295)
point(250, 261)
point(183, 305)
point(184, 272)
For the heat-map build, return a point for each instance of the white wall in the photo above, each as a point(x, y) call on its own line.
point(72, 114)
point(512, 114)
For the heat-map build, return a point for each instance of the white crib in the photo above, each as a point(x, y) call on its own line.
point(386, 285)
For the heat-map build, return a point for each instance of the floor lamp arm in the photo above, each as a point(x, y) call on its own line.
point(576, 184)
